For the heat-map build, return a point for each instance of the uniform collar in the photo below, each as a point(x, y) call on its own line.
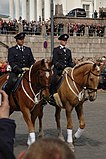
point(62, 47)
point(18, 47)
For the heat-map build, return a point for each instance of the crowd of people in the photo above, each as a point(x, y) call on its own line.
point(35, 27)
point(93, 29)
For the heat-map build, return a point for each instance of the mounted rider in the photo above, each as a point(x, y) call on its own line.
point(62, 58)
point(19, 57)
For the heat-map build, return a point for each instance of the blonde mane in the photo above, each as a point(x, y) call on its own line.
point(83, 63)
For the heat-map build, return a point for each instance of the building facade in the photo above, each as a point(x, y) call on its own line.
point(41, 9)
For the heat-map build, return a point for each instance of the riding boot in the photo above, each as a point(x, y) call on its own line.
point(7, 88)
point(51, 98)
point(9, 85)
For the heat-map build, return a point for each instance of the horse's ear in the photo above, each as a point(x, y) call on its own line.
point(94, 65)
point(102, 66)
point(42, 62)
point(51, 63)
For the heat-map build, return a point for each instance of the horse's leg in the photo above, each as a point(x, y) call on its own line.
point(38, 112)
point(40, 116)
point(80, 115)
point(69, 129)
point(57, 118)
point(27, 118)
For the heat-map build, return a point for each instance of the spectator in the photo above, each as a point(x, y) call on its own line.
point(49, 148)
point(0, 26)
point(95, 14)
point(7, 130)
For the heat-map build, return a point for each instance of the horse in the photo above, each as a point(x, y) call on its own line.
point(78, 85)
point(33, 89)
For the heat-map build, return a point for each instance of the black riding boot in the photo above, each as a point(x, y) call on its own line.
point(9, 85)
point(52, 91)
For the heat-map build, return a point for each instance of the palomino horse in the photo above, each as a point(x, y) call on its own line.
point(78, 84)
point(34, 85)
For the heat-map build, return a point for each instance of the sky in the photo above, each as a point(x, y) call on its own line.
point(4, 7)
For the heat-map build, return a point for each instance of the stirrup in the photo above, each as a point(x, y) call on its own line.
point(44, 102)
point(52, 100)
point(58, 100)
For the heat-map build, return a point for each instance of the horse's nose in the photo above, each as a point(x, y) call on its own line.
point(92, 98)
point(45, 93)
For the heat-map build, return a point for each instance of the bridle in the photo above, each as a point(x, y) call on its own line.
point(40, 88)
point(43, 87)
point(75, 83)
point(91, 90)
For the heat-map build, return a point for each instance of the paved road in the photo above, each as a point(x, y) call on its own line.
point(91, 145)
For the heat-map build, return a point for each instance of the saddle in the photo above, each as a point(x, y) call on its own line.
point(55, 98)
point(19, 79)
point(13, 90)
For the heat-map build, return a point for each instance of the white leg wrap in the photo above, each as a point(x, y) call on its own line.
point(69, 136)
point(31, 138)
point(79, 133)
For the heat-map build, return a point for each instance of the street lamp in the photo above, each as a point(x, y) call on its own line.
point(52, 26)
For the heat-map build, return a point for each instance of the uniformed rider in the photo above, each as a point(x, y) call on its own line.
point(19, 57)
point(62, 58)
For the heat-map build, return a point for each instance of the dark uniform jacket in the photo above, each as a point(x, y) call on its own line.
point(7, 136)
point(61, 58)
point(19, 59)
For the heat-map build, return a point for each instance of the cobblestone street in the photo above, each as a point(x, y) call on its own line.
point(91, 145)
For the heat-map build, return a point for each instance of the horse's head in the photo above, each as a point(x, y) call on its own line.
point(41, 75)
point(92, 81)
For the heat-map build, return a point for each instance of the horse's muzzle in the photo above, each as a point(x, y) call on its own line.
point(92, 97)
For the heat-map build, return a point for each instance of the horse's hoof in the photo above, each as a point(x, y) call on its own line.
point(71, 146)
point(28, 142)
point(74, 139)
point(40, 135)
point(61, 138)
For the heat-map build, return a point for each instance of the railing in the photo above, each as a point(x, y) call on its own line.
point(4, 45)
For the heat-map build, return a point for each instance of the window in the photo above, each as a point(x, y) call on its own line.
point(86, 7)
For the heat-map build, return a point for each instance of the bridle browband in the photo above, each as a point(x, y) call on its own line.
point(91, 73)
